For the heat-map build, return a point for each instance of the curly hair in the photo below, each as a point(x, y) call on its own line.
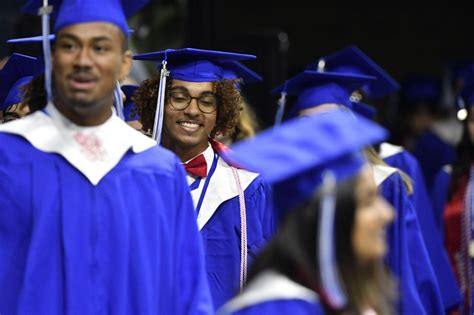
point(34, 94)
point(228, 108)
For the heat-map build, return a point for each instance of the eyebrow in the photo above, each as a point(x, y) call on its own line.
point(183, 89)
point(75, 38)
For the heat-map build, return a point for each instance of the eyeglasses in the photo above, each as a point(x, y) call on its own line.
point(207, 103)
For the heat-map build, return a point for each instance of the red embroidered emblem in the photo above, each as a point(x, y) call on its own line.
point(91, 146)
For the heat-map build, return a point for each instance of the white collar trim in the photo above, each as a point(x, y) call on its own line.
point(269, 286)
point(222, 187)
point(381, 173)
point(94, 151)
point(388, 150)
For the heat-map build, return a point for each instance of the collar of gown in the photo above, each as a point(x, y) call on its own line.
point(269, 286)
point(93, 151)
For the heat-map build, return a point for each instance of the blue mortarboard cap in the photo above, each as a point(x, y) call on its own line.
point(316, 88)
point(15, 94)
point(68, 12)
point(129, 110)
point(418, 89)
point(12, 76)
point(294, 156)
point(236, 70)
point(353, 60)
point(194, 65)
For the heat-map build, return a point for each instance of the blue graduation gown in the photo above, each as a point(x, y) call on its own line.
point(219, 220)
point(222, 235)
point(445, 277)
point(407, 256)
point(433, 153)
point(128, 245)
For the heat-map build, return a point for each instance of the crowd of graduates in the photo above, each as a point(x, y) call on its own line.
point(163, 197)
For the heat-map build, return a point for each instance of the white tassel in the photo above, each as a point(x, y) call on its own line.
point(44, 12)
point(160, 103)
point(326, 253)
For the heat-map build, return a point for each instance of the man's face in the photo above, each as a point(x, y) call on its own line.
point(188, 129)
point(87, 61)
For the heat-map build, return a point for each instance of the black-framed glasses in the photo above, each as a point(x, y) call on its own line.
point(207, 103)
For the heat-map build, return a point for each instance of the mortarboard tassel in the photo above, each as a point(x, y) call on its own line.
point(44, 12)
point(281, 106)
point(330, 281)
point(118, 101)
point(160, 102)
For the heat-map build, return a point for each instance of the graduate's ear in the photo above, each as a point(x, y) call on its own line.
point(126, 65)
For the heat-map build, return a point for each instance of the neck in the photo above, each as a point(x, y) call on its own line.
point(87, 116)
point(184, 153)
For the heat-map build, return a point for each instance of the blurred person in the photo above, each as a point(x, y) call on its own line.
point(327, 255)
point(95, 217)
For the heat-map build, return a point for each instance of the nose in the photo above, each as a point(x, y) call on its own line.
point(193, 108)
point(387, 212)
point(83, 58)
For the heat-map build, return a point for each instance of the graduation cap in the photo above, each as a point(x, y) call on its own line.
point(187, 64)
point(17, 72)
point(129, 110)
point(314, 88)
point(421, 89)
point(236, 70)
point(352, 60)
point(295, 159)
point(68, 12)
point(195, 65)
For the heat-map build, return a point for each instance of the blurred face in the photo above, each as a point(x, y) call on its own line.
point(318, 109)
point(372, 216)
point(87, 61)
point(186, 131)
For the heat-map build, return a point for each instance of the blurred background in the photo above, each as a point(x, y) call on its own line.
point(430, 42)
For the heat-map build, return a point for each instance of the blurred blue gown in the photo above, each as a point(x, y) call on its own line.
point(407, 256)
point(219, 221)
point(433, 153)
point(448, 286)
point(128, 244)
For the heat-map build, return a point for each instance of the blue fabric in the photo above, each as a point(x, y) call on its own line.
point(433, 153)
point(355, 61)
point(291, 157)
point(15, 95)
point(445, 277)
point(195, 65)
point(407, 256)
point(314, 88)
point(129, 245)
point(222, 235)
point(16, 72)
point(293, 307)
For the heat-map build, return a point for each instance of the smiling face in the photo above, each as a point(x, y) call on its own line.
point(186, 131)
point(87, 62)
point(372, 215)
